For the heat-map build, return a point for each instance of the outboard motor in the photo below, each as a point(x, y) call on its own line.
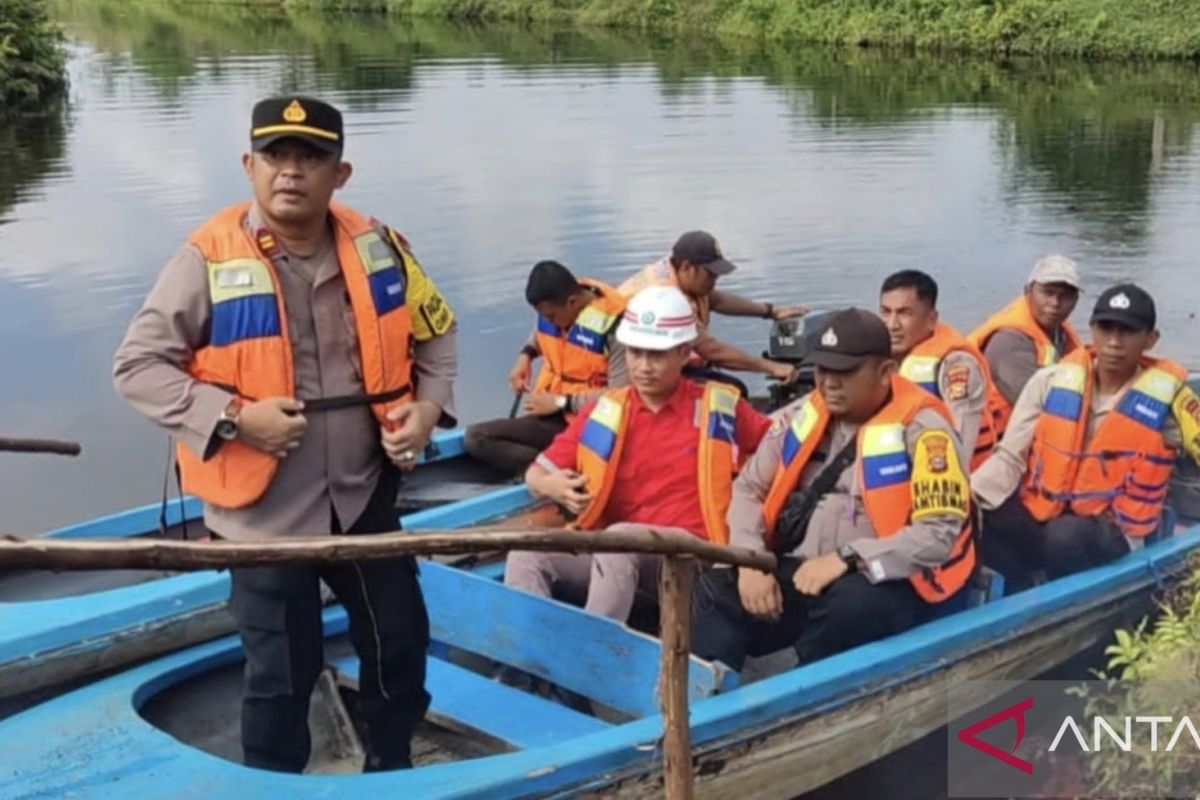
point(791, 341)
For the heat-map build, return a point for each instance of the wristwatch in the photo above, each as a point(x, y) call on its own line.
point(770, 311)
point(846, 553)
point(561, 402)
point(227, 423)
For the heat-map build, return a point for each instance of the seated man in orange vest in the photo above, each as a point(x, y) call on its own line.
point(1082, 471)
point(694, 265)
point(661, 453)
point(861, 488)
point(1031, 332)
point(937, 358)
point(580, 358)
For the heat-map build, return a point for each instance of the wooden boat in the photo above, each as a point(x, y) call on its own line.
point(61, 627)
point(168, 727)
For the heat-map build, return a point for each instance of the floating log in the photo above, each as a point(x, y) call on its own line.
point(148, 553)
point(62, 448)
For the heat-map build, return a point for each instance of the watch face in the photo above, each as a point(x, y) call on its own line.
point(226, 429)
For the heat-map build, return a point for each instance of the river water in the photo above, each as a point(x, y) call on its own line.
point(490, 149)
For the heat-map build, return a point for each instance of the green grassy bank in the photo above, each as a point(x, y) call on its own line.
point(1158, 662)
point(1081, 28)
point(32, 59)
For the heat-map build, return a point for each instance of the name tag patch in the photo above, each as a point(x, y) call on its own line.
point(235, 278)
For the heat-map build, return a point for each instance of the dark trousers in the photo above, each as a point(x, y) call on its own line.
point(851, 611)
point(278, 611)
point(511, 445)
point(1017, 545)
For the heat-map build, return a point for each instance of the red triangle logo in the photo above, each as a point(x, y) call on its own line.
point(969, 735)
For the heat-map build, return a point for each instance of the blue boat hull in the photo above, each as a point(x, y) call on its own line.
point(45, 642)
point(770, 739)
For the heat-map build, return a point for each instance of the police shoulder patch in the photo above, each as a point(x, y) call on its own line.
point(958, 382)
point(1186, 410)
point(939, 485)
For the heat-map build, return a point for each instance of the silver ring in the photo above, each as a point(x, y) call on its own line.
point(407, 455)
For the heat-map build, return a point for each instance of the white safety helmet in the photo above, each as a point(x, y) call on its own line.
point(658, 318)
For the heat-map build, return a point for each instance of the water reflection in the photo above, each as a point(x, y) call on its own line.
point(31, 149)
point(492, 148)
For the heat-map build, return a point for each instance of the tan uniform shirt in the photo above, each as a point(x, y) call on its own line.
point(1012, 357)
point(840, 517)
point(338, 462)
point(965, 399)
point(1001, 475)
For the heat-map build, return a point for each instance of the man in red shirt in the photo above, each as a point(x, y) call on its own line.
point(640, 457)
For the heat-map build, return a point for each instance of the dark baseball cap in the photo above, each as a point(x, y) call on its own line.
point(850, 338)
point(1126, 304)
point(296, 117)
point(701, 248)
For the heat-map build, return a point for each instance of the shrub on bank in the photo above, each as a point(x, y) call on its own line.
point(32, 59)
point(1085, 28)
point(1163, 660)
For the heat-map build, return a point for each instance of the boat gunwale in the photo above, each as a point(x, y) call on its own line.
point(572, 765)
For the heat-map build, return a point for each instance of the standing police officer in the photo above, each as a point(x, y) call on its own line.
point(301, 358)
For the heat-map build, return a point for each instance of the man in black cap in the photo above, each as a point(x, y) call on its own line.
point(694, 265)
point(1082, 471)
point(860, 487)
point(281, 348)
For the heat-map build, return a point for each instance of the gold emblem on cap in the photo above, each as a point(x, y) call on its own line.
point(295, 112)
point(717, 249)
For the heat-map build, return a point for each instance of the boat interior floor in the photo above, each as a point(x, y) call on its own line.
point(205, 712)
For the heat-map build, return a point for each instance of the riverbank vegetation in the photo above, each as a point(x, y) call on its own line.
point(1159, 662)
point(1081, 28)
point(32, 58)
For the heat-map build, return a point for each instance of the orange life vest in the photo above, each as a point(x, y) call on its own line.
point(661, 273)
point(1123, 471)
point(576, 361)
point(1016, 316)
point(921, 366)
point(249, 350)
point(884, 471)
point(603, 439)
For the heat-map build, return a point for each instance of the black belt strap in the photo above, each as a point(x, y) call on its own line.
point(792, 525)
point(320, 405)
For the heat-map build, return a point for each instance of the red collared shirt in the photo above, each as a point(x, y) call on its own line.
point(657, 478)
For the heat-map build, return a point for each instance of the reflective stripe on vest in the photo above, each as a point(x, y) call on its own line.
point(883, 473)
point(578, 362)
point(249, 347)
point(1016, 316)
point(922, 364)
point(1124, 470)
point(603, 440)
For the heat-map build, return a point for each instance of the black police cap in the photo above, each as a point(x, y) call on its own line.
point(296, 117)
point(1126, 304)
point(851, 337)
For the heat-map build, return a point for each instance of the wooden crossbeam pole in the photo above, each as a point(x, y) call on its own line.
point(675, 609)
